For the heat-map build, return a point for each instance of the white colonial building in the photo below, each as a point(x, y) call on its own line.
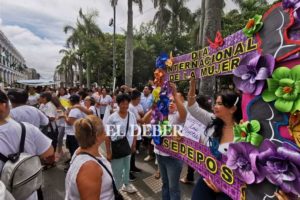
point(12, 64)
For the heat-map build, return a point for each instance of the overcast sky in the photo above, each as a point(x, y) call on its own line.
point(35, 27)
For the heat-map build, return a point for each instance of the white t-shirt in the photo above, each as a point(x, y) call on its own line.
point(136, 110)
point(36, 143)
point(50, 110)
point(116, 127)
point(96, 96)
point(104, 100)
point(93, 109)
point(66, 97)
point(29, 114)
point(173, 120)
point(146, 102)
point(77, 114)
point(33, 99)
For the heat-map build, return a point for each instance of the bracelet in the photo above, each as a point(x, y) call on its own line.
point(192, 96)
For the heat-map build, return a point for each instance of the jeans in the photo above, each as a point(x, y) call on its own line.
point(72, 144)
point(202, 191)
point(60, 138)
point(190, 174)
point(121, 169)
point(170, 169)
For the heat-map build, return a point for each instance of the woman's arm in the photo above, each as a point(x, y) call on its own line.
point(194, 109)
point(83, 109)
point(179, 104)
point(147, 117)
point(70, 120)
point(89, 181)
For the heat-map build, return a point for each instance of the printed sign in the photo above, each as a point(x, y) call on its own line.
point(213, 62)
point(198, 156)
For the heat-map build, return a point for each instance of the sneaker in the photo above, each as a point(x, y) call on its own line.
point(148, 158)
point(129, 189)
point(136, 170)
point(132, 177)
point(186, 181)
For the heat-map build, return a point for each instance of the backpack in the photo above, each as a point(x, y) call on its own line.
point(22, 172)
point(4, 194)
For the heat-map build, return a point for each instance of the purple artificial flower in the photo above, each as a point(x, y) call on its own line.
point(289, 3)
point(297, 13)
point(252, 72)
point(239, 160)
point(156, 115)
point(281, 166)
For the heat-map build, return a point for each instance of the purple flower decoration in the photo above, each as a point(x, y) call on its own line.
point(239, 160)
point(289, 3)
point(297, 13)
point(281, 166)
point(294, 4)
point(156, 115)
point(252, 72)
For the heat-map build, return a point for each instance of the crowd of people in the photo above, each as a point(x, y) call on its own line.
point(85, 119)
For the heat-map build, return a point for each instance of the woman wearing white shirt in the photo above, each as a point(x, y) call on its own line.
point(170, 168)
point(227, 112)
point(49, 109)
point(89, 173)
point(33, 97)
point(70, 118)
point(117, 124)
point(104, 101)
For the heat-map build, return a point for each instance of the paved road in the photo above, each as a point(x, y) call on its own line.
point(148, 187)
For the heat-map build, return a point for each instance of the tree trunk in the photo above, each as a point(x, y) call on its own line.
point(201, 27)
point(66, 76)
point(88, 76)
point(80, 68)
point(212, 24)
point(129, 47)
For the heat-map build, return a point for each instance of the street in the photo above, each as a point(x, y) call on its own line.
point(148, 187)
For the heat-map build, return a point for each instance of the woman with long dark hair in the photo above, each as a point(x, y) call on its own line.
point(218, 134)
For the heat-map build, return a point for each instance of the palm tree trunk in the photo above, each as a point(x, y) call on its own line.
point(88, 76)
point(200, 39)
point(212, 24)
point(66, 77)
point(129, 47)
point(80, 68)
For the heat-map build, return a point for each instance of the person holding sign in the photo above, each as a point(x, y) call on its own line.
point(218, 134)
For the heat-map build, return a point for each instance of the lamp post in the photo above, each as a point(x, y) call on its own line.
point(113, 22)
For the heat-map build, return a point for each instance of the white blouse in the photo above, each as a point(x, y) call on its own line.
point(206, 118)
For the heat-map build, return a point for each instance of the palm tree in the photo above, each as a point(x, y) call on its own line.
point(85, 32)
point(129, 39)
point(129, 42)
point(176, 16)
point(66, 64)
point(212, 24)
point(162, 16)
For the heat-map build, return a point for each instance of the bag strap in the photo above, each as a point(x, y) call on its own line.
point(127, 124)
point(96, 112)
point(23, 135)
point(15, 157)
point(106, 169)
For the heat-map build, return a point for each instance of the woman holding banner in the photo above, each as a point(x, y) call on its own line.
point(218, 135)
